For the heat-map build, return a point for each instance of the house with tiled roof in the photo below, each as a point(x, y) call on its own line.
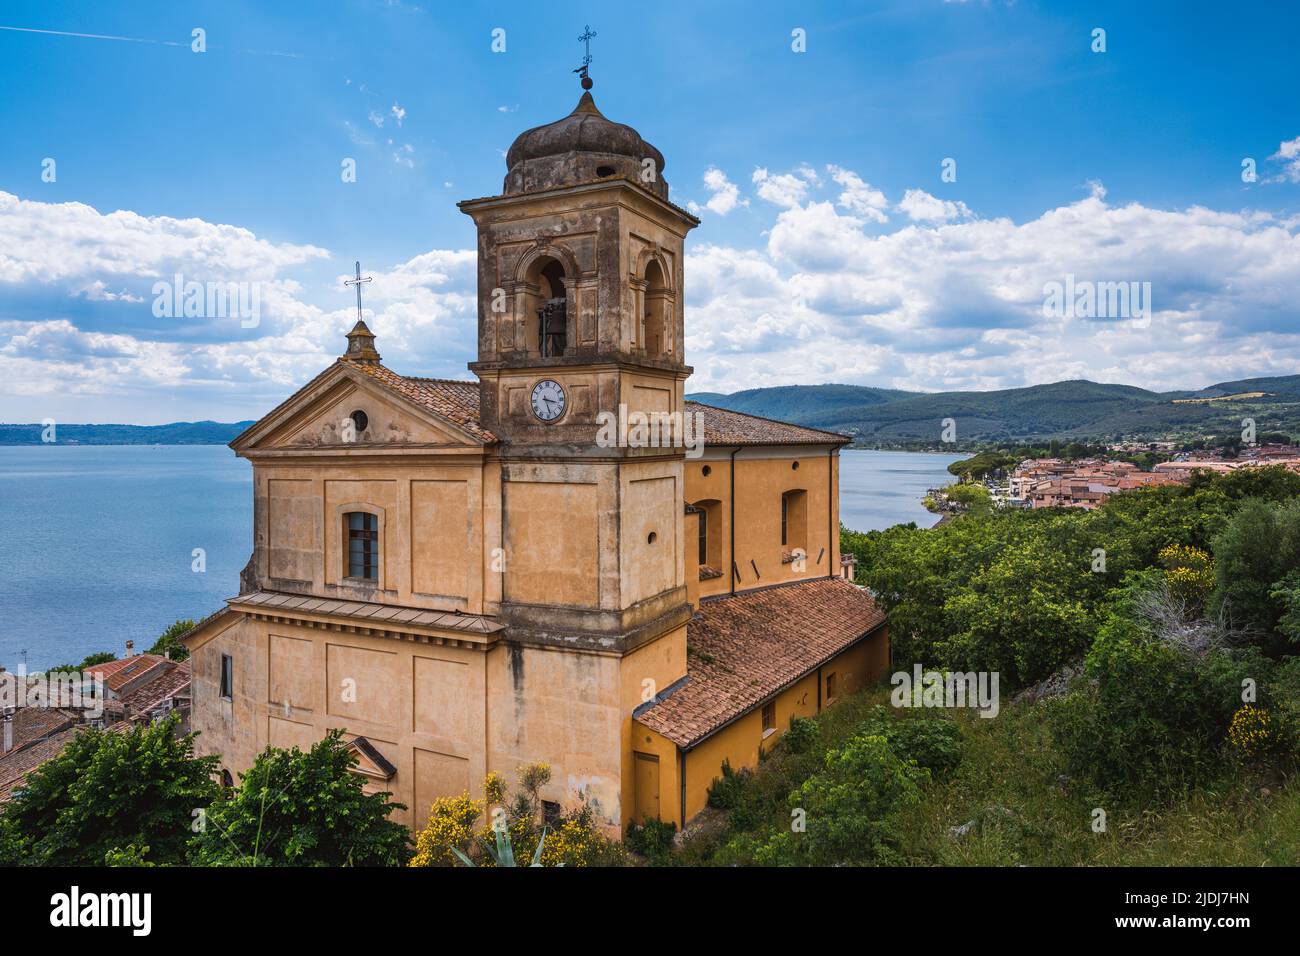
point(559, 560)
point(148, 688)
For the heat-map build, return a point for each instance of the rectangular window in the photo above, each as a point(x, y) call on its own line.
point(227, 677)
point(769, 717)
point(552, 814)
point(363, 545)
point(785, 518)
point(831, 683)
point(704, 536)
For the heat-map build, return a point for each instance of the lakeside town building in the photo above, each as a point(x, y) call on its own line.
point(469, 576)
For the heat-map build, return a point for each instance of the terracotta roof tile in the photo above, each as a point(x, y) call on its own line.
point(174, 682)
point(725, 427)
point(454, 400)
point(743, 649)
point(32, 723)
point(15, 767)
point(127, 671)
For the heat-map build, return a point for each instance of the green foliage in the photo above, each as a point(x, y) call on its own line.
point(1255, 554)
point(1151, 720)
point(983, 464)
point(970, 498)
point(100, 657)
point(800, 735)
point(847, 808)
point(652, 839)
point(502, 852)
point(726, 791)
point(1016, 591)
point(928, 740)
point(109, 790)
point(168, 643)
point(303, 809)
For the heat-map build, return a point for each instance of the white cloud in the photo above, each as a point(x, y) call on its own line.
point(725, 195)
point(377, 118)
point(920, 206)
point(1289, 154)
point(784, 189)
point(958, 304)
point(398, 112)
point(940, 302)
point(859, 197)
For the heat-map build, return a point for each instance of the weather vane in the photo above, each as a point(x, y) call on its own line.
point(357, 282)
point(585, 40)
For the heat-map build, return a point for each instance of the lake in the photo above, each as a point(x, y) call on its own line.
point(108, 532)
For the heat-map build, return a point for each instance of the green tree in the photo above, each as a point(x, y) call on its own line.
point(99, 657)
point(106, 791)
point(168, 643)
point(1152, 719)
point(295, 808)
point(1253, 555)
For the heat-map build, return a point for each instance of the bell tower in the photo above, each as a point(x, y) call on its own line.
point(580, 312)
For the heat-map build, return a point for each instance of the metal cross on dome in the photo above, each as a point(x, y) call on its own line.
point(585, 39)
point(357, 282)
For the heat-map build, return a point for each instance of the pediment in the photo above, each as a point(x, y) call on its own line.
point(320, 416)
point(370, 762)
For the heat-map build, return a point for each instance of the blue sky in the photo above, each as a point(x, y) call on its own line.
point(830, 248)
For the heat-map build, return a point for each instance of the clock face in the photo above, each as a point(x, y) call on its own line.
point(548, 400)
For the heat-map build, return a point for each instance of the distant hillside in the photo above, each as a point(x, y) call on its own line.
point(1064, 410)
point(803, 404)
point(177, 433)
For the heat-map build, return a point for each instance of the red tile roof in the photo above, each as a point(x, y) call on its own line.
point(17, 765)
point(743, 649)
point(31, 724)
point(453, 400)
point(126, 671)
point(174, 682)
point(725, 427)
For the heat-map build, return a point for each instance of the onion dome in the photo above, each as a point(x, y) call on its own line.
point(583, 147)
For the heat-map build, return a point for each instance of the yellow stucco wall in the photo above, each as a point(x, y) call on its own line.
point(763, 475)
point(740, 742)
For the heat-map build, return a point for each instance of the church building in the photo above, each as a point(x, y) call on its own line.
point(469, 576)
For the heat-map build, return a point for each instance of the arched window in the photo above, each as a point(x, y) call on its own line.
point(363, 545)
point(655, 318)
point(546, 309)
point(227, 779)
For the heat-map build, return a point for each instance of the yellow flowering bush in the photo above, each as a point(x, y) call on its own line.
point(1189, 572)
point(1253, 732)
point(454, 825)
point(450, 824)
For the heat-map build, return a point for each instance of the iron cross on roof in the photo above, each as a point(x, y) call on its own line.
point(357, 282)
point(585, 39)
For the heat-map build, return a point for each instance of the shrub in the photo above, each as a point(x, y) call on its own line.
point(1253, 732)
point(296, 808)
point(652, 839)
point(574, 840)
point(1153, 717)
point(727, 791)
point(930, 741)
point(801, 735)
point(1189, 573)
point(848, 809)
